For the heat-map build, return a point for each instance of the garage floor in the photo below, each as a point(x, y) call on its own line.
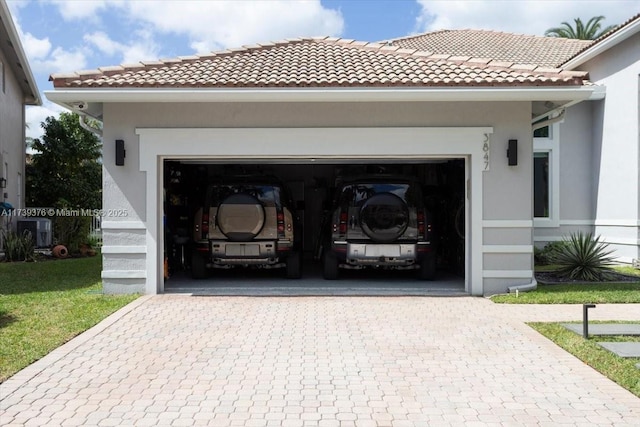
point(246, 282)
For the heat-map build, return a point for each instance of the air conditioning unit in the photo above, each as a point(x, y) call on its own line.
point(40, 229)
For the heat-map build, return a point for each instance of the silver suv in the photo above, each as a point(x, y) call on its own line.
point(246, 221)
point(379, 221)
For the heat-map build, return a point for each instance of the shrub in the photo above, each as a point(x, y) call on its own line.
point(583, 258)
point(18, 247)
point(72, 231)
point(545, 255)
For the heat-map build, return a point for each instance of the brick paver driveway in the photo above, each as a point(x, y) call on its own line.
point(319, 361)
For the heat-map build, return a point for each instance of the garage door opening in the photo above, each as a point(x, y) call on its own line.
point(312, 187)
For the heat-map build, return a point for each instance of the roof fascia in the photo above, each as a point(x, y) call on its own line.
point(14, 38)
point(71, 98)
point(602, 46)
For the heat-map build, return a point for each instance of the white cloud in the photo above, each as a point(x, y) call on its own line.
point(142, 48)
point(212, 25)
point(34, 47)
point(81, 9)
point(522, 16)
point(60, 60)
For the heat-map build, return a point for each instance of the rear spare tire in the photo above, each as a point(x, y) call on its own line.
point(384, 217)
point(240, 217)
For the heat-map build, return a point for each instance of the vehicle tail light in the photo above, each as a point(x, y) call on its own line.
point(205, 225)
point(343, 222)
point(280, 223)
point(421, 224)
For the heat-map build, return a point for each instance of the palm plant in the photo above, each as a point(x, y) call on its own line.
point(589, 31)
point(584, 257)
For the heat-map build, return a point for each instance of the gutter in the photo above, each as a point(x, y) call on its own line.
point(598, 93)
point(67, 97)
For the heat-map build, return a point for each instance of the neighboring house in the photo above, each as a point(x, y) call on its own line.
point(445, 106)
point(17, 90)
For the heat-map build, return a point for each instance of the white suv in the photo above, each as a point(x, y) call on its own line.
point(379, 221)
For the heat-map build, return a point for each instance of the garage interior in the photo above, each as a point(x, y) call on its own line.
point(312, 185)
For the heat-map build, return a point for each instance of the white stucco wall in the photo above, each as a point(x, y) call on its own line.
point(12, 148)
point(504, 213)
point(616, 136)
point(572, 145)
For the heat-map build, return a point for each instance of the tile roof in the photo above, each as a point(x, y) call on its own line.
point(518, 48)
point(635, 20)
point(320, 62)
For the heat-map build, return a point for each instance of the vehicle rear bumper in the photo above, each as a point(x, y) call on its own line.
point(376, 254)
point(248, 253)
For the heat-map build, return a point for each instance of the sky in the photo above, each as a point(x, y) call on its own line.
point(73, 35)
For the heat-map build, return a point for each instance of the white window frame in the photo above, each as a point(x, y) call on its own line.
point(551, 146)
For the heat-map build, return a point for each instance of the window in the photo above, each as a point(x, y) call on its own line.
point(541, 185)
point(546, 172)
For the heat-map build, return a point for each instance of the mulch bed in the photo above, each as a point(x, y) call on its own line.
point(550, 277)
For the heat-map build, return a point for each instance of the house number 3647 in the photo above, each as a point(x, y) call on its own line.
point(485, 152)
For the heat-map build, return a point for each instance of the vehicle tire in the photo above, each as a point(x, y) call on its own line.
point(427, 270)
point(240, 217)
point(384, 217)
point(294, 266)
point(198, 266)
point(330, 266)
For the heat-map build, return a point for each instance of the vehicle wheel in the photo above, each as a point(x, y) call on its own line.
point(384, 217)
point(294, 266)
point(427, 269)
point(330, 266)
point(240, 217)
point(198, 266)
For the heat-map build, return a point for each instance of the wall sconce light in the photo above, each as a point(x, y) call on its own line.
point(3, 182)
point(512, 152)
point(120, 152)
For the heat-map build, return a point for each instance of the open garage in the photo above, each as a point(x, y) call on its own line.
point(312, 186)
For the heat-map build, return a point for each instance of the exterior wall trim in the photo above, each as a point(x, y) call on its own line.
point(602, 222)
point(506, 223)
point(124, 274)
point(123, 225)
point(507, 249)
point(124, 249)
point(321, 144)
point(508, 274)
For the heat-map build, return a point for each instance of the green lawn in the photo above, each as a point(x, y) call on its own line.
point(44, 304)
point(621, 370)
point(578, 293)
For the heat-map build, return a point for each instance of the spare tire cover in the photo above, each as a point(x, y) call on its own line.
point(240, 217)
point(384, 217)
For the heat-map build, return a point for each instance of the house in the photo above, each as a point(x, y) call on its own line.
point(17, 90)
point(518, 139)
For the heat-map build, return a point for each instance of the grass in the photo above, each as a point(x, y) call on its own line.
point(620, 370)
point(575, 293)
point(45, 304)
point(578, 293)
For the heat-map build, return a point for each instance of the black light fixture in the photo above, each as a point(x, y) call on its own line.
point(512, 152)
point(3, 182)
point(120, 152)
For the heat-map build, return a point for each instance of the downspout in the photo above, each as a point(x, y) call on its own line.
point(549, 122)
point(534, 283)
point(85, 126)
